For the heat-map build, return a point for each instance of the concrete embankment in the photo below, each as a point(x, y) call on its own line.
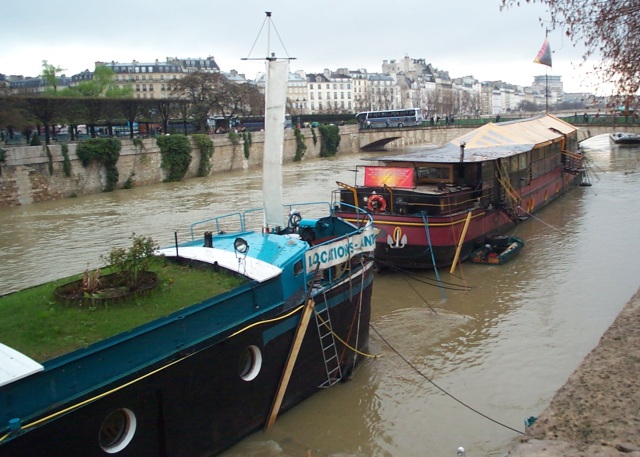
point(597, 411)
point(32, 174)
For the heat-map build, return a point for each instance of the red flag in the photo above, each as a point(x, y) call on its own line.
point(544, 54)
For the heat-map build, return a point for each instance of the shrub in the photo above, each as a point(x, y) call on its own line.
point(330, 140)
point(176, 156)
point(246, 136)
point(132, 262)
point(301, 147)
point(105, 150)
point(66, 164)
point(91, 281)
point(128, 184)
point(35, 140)
point(50, 157)
point(205, 145)
point(138, 143)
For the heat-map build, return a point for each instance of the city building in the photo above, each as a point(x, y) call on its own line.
point(402, 83)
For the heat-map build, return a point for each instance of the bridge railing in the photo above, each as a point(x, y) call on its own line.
point(581, 120)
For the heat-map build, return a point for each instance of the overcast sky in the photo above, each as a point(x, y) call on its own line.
point(463, 37)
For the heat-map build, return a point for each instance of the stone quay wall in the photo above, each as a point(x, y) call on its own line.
point(28, 175)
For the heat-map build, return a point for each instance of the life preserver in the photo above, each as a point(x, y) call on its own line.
point(377, 204)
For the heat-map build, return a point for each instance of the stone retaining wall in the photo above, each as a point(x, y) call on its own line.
point(25, 175)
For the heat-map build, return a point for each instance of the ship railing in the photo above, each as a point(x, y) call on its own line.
point(253, 219)
point(228, 223)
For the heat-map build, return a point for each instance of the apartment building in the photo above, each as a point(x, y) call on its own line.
point(154, 79)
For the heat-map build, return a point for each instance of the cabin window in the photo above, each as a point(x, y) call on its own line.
point(297, 268)
point(434, 174)
point(514, 164)
point(522, 161)
point(250, 363)
point(117, 430)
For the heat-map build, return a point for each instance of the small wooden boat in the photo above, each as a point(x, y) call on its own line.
point(497, 250)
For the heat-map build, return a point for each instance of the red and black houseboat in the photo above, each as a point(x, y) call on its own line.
point(430, 203)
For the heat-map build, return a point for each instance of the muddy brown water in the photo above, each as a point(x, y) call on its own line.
point(460, 364)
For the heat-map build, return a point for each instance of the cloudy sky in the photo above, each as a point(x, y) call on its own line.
point(463, 37)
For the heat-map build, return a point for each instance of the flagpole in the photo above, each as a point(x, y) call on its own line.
point(546, 91)
point(544, 58)
point(546, 79)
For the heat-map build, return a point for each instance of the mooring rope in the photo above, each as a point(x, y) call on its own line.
point(414, 368)
point(540, 220)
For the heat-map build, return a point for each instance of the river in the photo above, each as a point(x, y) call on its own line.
point(460, 364)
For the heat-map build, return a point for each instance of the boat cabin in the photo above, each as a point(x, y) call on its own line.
point(480, 169)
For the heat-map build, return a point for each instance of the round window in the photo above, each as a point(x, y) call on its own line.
point(117, 430)
point(250, 363)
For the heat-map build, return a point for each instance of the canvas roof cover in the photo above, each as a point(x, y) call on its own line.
point(492, 141)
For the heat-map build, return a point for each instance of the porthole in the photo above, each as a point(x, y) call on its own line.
point(250, 363)
point(117, 430)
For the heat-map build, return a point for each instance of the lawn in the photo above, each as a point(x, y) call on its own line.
point(32, 322)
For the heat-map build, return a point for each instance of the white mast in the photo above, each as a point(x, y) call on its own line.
point(275, 101)
point(276, 78)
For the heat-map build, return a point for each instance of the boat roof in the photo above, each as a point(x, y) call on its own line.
point(492, 141)
point(15, 365)
point(250, 267)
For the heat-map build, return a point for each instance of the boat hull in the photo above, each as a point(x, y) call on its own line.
point(404, 242)
point(195, 402)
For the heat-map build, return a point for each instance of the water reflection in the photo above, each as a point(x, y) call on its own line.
point(504, 340)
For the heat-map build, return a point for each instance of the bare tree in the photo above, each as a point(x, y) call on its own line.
point(609, 30)
point(213, 93)
point(200, 90)
point(230, 98)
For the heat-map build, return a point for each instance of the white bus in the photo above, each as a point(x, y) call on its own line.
point(389, 118)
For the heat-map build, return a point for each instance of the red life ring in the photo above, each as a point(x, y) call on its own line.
point(377, 204)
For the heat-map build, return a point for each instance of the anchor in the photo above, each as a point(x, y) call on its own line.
point(398, 240)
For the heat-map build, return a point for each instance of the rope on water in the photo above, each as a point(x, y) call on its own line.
point(540, 220)
point(414, 368)
point(418, 294)
point(424, 279)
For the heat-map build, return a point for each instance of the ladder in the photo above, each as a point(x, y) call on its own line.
point(328, 346)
